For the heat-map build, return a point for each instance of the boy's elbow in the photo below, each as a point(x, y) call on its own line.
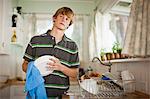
point(24, 66)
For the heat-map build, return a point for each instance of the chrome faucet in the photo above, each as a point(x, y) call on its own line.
point(103, 63)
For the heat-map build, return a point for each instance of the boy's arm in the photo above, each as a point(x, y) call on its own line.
point(24, 65)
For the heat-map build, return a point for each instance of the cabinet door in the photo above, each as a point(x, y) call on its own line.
point(5, 93)
point(17, 92)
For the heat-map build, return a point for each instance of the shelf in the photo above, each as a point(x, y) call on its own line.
point(129, 60)
point(16, 44)
point(2, 52)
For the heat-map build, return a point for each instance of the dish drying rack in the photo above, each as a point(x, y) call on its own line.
point(104, 89)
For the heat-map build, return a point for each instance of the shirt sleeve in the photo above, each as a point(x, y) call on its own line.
point(29, 54)
point(75, 58)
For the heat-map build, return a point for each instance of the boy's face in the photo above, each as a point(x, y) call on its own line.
point(62, 21)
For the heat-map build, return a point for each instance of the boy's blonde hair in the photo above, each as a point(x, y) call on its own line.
point(66, 11)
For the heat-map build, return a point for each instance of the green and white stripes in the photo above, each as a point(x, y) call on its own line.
point(60, 86)
point(41, 45)
point(50, 45)
point(69, 63)
point(29, 56)
point(67, 50)
point(59, 74)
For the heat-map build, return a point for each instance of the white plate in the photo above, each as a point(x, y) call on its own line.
point(42, 66)
point(90, 85)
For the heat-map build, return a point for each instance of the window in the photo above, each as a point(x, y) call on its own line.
point(118, 25)
point(108, 29)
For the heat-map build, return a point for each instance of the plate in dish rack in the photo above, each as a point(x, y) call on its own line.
point(90, 85)
point(42, 64)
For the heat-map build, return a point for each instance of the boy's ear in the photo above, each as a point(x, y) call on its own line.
point(54, 18)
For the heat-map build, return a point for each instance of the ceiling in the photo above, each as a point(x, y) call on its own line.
point(66, 0)
point(117, 6)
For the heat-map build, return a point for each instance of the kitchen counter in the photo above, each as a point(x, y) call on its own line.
point(74, 93)
point(135, 95)
point(12, 89)
point(11, 82)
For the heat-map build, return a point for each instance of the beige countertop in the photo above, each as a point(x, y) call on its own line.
point(11, 82)
point(134, 95)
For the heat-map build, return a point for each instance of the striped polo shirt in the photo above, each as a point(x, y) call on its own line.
point(66, 51)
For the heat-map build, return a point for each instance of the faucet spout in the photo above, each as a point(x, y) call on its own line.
point(103, 63)
point(95, 58)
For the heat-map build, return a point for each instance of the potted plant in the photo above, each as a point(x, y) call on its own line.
point(108, 55)
point(103, 55)
point(117, 49)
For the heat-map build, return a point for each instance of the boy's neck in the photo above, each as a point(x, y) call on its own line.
point(58, 34)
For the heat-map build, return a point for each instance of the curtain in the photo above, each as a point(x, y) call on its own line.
point(137, 39)
point(92, 41)
point(30, 26)
point(80, 35)
point(95, 35)
point(101, 37)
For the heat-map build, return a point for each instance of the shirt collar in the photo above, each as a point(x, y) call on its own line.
point(63, 39)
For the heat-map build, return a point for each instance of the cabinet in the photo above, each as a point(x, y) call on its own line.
point(17, 92)
point(12, 91)
point(4, 92)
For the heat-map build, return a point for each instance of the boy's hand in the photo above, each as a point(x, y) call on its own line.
point(55, 65)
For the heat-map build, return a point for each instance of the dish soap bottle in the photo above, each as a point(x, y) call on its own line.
point(14, 36)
